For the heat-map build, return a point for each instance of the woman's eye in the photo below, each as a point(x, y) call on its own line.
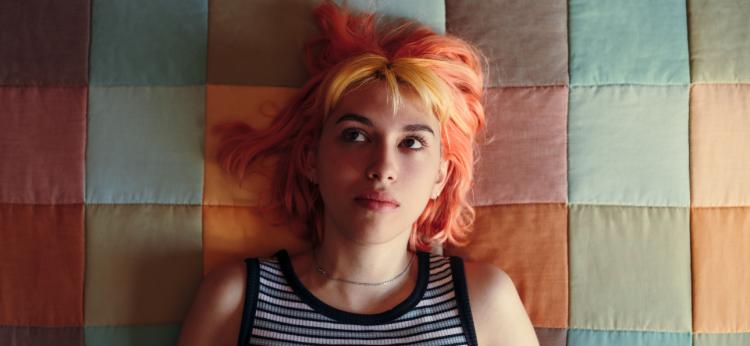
point(414, 143)
point(356, 135)
point(352, 135)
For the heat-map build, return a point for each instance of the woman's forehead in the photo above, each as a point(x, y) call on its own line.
point(375, 102)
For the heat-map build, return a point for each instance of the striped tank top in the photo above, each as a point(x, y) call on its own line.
point(279, 310)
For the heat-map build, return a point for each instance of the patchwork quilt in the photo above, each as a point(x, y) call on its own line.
point(615, 191)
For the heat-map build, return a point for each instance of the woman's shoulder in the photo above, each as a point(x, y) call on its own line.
point(487, 284)
point(486, 277)
point(216, 313)
point(227, 282)
point(498, 313)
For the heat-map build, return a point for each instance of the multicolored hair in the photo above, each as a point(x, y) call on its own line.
point(355, 49)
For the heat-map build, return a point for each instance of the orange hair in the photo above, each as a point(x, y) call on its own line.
point(351, 51)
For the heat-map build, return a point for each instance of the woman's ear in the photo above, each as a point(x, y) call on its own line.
point(442, 179)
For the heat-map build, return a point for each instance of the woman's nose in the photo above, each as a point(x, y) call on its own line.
point(383, 165)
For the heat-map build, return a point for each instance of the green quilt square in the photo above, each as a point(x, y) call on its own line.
point(145, 145)
point(156, 334)
point(143, 263)
point(628, 42)
point(428, 12)
point(580, 337)
point(630, 268)
point(149, 42)
point(628, 145)
point(720, 40)
point(722, 339)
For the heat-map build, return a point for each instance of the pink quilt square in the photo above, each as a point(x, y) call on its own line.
point(524, 157)
point(42, 144)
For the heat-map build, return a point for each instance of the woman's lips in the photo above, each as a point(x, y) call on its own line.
point(375, 204)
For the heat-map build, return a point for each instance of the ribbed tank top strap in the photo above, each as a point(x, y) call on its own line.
point(251, 300)
point(462, 298)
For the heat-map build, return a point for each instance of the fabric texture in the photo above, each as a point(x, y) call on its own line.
point(144, 42)
point(45, 42)
point(43, 141)
point(628, 42)
point(719, 44)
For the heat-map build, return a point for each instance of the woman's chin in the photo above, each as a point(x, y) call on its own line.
point(373, 234)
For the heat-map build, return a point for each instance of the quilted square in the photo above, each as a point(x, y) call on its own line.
point(523, 159)
point(257, 107)
point(721, 255)
point(143, 263)
point(44, 42)
point(628, 42)
point(719, 142)
point(33, 336)
point(158, 334)
point(428, 12)
point(730, 339)
point(525, 42)
point(42, 264)
point(43, 138)
point(582, 337)
point(552, 336)
point(630, 268)
point(529, 242)
point(235, 233)
point(719, 40)
point(145, 42)
point(241, 51)
point(145, 145)
point(628, 145)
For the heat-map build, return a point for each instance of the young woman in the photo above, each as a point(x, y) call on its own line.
point(375, 161)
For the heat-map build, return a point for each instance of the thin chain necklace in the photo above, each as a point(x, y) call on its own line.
point(329, 277)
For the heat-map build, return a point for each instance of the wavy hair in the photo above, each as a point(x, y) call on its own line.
point(354, 49)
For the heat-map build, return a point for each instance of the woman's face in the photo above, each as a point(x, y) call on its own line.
point(376, 170)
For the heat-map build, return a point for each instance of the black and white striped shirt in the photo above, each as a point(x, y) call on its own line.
point(279, 310)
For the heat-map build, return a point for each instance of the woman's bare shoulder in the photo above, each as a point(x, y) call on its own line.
point(214, 318)
point(499, 315)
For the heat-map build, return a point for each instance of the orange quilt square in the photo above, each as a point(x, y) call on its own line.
point(721, 280)
point(41, 265)
point(257, 107)
point(530, 243)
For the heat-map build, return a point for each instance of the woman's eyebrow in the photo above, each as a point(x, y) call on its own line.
point(364, 120)
point(418, 127)
point(355, 117)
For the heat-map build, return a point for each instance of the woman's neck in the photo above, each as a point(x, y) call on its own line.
point(365, 264)
point(362, 263)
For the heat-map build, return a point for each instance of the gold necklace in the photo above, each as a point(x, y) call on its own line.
point(328, 276)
